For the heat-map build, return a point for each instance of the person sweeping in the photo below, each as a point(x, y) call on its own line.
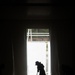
point(40, 68)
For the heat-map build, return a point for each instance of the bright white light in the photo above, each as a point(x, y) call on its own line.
point(36, 51)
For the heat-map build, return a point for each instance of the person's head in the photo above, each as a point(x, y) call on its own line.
point(37, 63)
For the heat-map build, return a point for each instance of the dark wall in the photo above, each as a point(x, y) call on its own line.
point(6, 49)
point(61, 38)
point(63, 33)
point(13, 47)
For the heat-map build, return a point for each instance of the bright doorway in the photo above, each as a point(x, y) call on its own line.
point(38, 49)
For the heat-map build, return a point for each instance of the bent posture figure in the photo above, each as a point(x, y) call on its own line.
point(40, 68)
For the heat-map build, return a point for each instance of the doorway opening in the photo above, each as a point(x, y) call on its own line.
point(38, 49)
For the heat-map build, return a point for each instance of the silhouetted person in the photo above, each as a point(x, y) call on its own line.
point(1, 68)
point(40, 68)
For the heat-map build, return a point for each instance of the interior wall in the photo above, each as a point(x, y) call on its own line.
point(61, 45)
point(19, 48)
point(6, 49)
point(63, 34)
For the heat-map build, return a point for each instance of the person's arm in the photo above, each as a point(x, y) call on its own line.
point(38, 69)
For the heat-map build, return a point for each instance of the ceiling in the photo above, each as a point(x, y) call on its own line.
point(34, 9)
